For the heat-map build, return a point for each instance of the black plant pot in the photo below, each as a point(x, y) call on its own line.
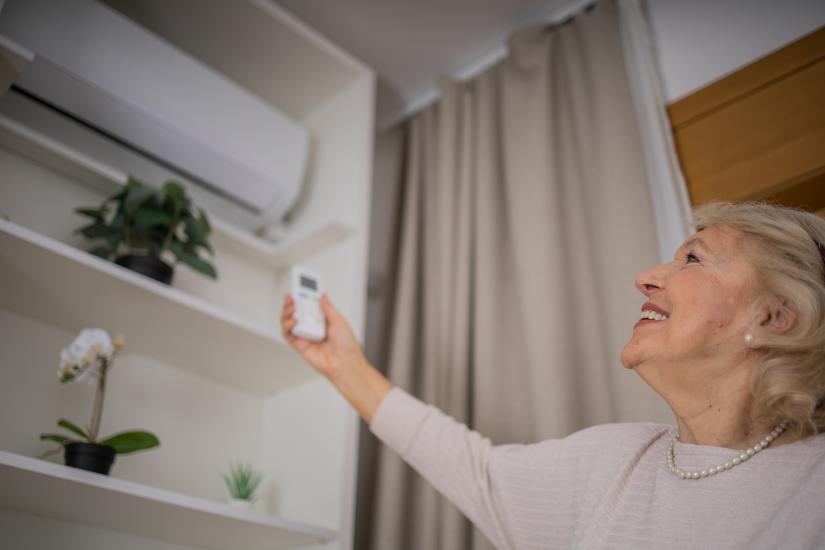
point(150, 266)
point(89, 456)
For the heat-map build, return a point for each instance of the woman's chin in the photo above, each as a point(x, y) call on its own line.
point(629, 361)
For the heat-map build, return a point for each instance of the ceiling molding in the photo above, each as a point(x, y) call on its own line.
point(474, 68)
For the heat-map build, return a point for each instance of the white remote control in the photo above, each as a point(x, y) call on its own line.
point(306, 291)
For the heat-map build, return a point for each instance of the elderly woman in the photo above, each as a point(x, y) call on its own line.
point(731, 336)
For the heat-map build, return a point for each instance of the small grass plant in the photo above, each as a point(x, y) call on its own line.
point(242, 481)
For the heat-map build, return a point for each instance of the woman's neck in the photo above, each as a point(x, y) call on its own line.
point(720, 414)
point(729, 431)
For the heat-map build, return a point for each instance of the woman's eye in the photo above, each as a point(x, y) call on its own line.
point(691, 257)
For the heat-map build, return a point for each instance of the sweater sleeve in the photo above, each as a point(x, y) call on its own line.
point(454, 459)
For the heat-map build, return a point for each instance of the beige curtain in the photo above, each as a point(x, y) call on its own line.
point(524, 219)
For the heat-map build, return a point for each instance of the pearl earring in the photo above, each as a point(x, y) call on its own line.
point(748, 339)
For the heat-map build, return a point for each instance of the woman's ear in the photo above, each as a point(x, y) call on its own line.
point(776, 316)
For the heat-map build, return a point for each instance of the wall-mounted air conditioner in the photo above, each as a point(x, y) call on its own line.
point(112, 78)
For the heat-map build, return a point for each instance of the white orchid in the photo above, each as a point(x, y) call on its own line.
point(83, 359)
point(89, 359)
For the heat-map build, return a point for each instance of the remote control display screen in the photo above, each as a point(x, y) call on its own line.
point(306, 282)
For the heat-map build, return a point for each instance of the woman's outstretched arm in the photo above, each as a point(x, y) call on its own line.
point(339, 357)
point(453, 458)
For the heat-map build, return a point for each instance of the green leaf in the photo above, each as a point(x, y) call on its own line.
point(117, 236)
point(132, 183)
point(148, 217)
point(193, 247)
point(136, 197)
point(63, 423)
point(207, 227)
point(94, 213)
point(199, 265)
point(174, 191)
point(101, 252)
point(117, 221)
point(119, 197)
point(96, 231)
point(57, 438)
point(66, 377)
point(194, 230)
point(197, 231)
point(129, 442)
point(177, 248)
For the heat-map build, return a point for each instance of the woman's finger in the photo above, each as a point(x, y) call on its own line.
point(295, 341)
point(330, 313)
point(284, 326)
point(287, 326)
point(288, 311)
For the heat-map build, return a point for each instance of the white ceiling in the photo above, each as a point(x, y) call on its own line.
point(409, 43)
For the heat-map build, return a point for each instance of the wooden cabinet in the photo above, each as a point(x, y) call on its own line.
point(758, 133)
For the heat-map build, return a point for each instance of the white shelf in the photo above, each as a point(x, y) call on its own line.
point(52, 490)
point(90, 172)
point(63, 286)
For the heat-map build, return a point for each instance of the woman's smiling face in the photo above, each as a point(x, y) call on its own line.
point(702, 303)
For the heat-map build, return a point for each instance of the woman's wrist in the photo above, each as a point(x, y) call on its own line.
point(363, 386)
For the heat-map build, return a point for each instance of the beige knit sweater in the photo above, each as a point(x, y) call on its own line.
point(609, 486)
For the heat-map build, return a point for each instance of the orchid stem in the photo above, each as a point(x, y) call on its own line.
point(98, 410)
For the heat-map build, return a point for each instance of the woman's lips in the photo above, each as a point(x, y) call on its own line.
point(650, 306)
point(651, 313)
point(641, 322)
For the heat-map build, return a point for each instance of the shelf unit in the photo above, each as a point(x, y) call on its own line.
point(56, 491)
point(286, 420)
point(61, 285)
point(83, 169)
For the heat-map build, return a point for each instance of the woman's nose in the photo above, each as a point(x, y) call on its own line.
point(651, 280)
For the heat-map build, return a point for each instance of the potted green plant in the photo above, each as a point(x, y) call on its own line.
point(140, 227)
point(88, 359)
point(242, 481)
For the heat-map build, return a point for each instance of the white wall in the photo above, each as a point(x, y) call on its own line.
point(699, 41)
point(325, 460)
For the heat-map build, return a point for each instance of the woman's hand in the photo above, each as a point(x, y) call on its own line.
point(335, 354)
point(338, 357)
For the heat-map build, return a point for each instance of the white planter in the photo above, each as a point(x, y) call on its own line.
point(240, 503)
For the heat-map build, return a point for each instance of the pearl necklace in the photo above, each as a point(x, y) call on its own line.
point(739, 459)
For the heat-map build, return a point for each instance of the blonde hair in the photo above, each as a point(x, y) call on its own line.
point(789, 383)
